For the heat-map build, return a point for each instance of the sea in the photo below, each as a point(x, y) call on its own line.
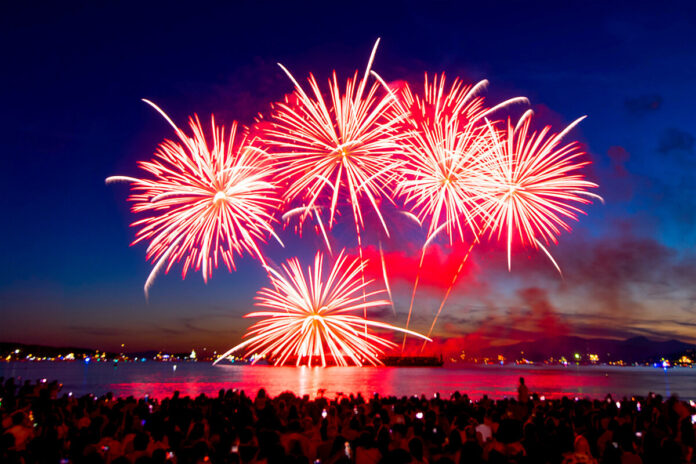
point(161, 379)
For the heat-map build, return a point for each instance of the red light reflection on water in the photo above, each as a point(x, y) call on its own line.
point(367, 381)
point(161, 379)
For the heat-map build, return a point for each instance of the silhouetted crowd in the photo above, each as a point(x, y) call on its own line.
point(40, 424)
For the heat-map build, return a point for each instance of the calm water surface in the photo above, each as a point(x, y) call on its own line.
point(161, 379)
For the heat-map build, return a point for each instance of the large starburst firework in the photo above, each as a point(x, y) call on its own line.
point(311, 316)
point(534, 185)
point(207, 201)
point(336, 149)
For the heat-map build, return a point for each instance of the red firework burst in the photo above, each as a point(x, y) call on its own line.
point(534, 184)
point(335, 148)
point(208, 202)
point(311, 315)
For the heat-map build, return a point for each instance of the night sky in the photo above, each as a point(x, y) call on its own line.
point(71, 83)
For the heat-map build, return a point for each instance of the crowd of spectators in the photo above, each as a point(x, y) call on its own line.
point(41, 424)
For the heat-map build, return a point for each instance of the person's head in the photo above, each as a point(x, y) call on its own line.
point(415, 447)
point(18, 418)
point(338, 445)
point(276, 455)
point(365, 440)
point(398, 456)
point(159, 456)
point(521, 380)
point(295, 448)
point(141, 441)
point(295, 426)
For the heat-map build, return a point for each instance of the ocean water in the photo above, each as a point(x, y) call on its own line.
point(162, 379)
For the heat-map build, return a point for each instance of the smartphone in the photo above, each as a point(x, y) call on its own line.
point(639, 434)
point(324, 413)
point(234, 449)
point(346, 449)
point(170, 454)
point(693, 419)
point(419, 415)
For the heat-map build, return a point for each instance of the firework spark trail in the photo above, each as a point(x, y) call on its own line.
point(533, 185)
point(413, 297)
point(309, 315)
point(208, 201)
point(449, 290)
point(386, 277)
point(442, 178)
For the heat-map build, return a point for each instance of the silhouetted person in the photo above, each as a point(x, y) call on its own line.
point(522, 392)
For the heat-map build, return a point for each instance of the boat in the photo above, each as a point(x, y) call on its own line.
point(413, 361)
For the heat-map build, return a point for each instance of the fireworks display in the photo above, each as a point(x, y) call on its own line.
point(336, 150)
point(532, 184)
point(206, 201)
point(312, 316)
point(444, 159)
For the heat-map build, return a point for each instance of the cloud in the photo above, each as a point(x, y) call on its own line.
point(94, 331)
point(643, 104)
point(619, 156)
point(617, 286)
point(621, 185)
point(675, 140)
point(543, 316)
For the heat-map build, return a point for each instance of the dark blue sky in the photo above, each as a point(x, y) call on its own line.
point(73, 76)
